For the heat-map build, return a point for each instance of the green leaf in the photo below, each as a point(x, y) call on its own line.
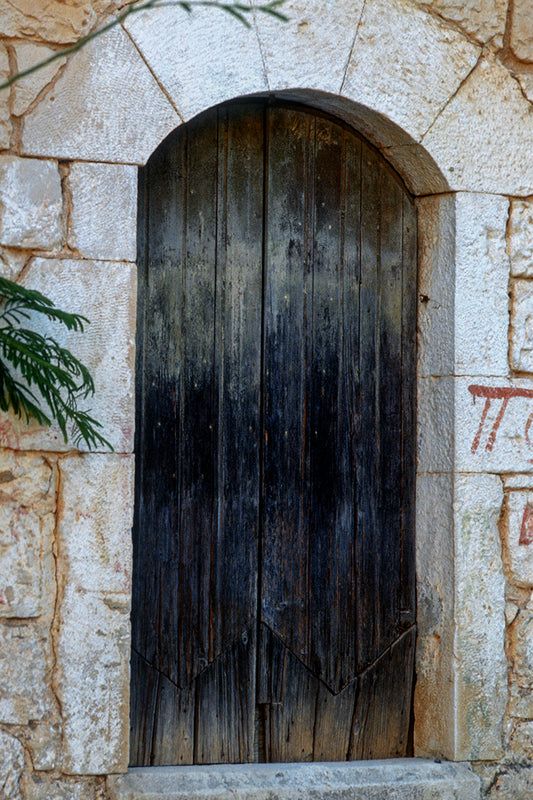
point(30, 360)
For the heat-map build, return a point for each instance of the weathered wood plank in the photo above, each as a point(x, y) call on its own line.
point(367, 483)
point(144, 690)
point(237, 373)
point(185, 623)
point(383, 704)
point(284, 546)
point(407, 577)
point(173, 730)
point(225, 705)
point(390, 466)
point(157, 504)
point(289, 713)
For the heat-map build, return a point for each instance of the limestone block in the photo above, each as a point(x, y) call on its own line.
point(522, 30)
point(103, 217)
point(11, 262)
point(520, 655)
point(505, 781)
point(120, 116)
point(11, 766)
point(53, 21)
point(319, 37)
point(26, 89)
point(5, 122)
point(492, 428)
point(463, 332)
point(521, 741)
point(104, 292)
point(201, 59)
point(43, 740)
point(517, 482)
point(517, 537)
point(482, 19)
point(483, 138)
point(406, 64)
point(46, 787)
point(24, 674)
point(95, 521)
point(93, 681)
point(31, 205)
point(521, 330)
point(520, 238)
point(435, 661)
point(435, 424)
point(481, 316)
point(436, 267)
point(27, 505)
point(481, 677)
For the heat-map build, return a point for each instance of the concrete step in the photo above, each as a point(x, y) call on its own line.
point(395, 779)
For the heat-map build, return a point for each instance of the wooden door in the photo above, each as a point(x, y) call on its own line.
point(273, 601)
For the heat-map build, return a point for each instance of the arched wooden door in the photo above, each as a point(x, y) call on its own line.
point(273, 602)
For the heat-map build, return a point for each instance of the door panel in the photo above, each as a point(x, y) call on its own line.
point(273, 605)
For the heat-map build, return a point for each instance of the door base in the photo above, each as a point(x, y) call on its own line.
point(402, 778)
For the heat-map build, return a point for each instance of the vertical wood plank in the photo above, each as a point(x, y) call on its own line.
point(334, 713)
point(390, 398)
point(237, 372)
point(284, 568)
point(145, 685)
point(331, 496)
point(290, 711)
point(368, 442)
point(227, 697)
point(407, 578)
point(157, 503)
point(173, 730)
point(381, 717)
point(187, 563)
point(225, 708)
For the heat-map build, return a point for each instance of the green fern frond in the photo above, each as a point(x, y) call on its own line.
point(50, 374)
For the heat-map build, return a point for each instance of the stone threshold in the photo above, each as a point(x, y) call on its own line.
point(395, 779)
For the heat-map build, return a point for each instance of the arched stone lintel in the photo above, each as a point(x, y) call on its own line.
point(434, 111)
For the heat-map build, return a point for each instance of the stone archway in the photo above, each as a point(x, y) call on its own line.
point(415, 88)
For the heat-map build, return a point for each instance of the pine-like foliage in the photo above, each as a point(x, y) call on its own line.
point(30, 361)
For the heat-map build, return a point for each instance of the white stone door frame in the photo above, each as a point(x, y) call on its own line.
point(431, 102)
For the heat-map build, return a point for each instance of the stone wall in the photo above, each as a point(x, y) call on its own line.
point(462, 73)
point(64, 536)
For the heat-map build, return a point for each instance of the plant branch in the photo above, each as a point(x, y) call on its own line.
point(236, 9)
point(60, 379)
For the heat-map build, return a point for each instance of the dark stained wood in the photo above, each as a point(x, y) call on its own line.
point(390, 401)
point(368, 497)
point(380, 729)
point(173, 725)
point(407, 576)
point(288, 307)
point(274, 588)
point(225, 712)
